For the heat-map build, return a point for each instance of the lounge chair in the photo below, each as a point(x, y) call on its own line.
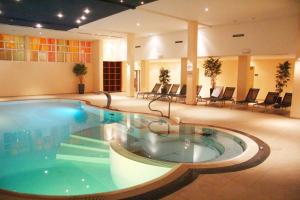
point(270, 100)
point(153, 91)
point(286, 101)
point(174, 89)
point(168, 86)
point(250, 98)
point(227, 95)
point(182, 93)
point(215, 95)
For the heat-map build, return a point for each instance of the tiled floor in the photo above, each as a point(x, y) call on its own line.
point(276, 178)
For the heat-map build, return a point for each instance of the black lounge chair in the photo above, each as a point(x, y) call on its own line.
point(286, 101)
point(153, 92)
point(270, 100)
point(250, 98)
point(174, 89)
point(215, 95)
point(167, 87)
point(227, 95)
point(182, 93)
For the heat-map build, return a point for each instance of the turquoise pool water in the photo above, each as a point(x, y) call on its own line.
point(61, 147)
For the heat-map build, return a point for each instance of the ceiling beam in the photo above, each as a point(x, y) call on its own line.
point(171, 16)
point(126, 5)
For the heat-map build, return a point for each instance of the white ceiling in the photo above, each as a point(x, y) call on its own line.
point(169, 15)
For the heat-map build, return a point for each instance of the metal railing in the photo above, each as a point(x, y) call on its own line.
point(156, 99)
point(108, 96)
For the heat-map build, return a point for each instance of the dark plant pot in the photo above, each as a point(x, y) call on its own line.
point(81, 88)
point(211, 91)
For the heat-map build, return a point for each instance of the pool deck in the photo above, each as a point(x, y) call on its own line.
point(276, 178)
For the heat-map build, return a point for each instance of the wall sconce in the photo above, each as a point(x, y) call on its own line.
point(189, 66)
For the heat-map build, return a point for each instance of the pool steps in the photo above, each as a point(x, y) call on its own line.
point(83, 149)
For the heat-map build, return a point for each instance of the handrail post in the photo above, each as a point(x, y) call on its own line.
point(108, 96)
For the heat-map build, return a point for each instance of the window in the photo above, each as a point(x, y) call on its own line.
point(12, 47)
point(52, 50)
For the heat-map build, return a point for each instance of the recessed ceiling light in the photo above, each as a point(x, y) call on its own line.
point(60, 15)
point(142, 2)
point(78, 21)
point(38, 25)
point(206, 9)
point(83, 17)
point(17, 0)
point(138, 24)
point(121, 1)
point(86, 11)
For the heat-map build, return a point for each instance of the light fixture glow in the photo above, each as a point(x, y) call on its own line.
point(121, 1)
point(206, 9)
point(0, 12)
point(60, 15)
point(38, 25)
point(86, 11)
point(83, 17)
point(138, 24)
point(142, 2)
point(78, 21)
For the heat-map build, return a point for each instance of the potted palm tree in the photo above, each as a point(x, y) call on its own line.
point(212, 68)
point(282, 77)
point(80, 70)
point(164, 79)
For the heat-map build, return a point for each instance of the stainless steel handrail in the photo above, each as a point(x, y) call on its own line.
point(108, 96)
point(160, 97)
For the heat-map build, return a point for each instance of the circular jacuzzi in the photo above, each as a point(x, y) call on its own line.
point(58, 148)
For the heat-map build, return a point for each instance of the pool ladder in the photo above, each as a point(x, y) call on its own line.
point(161, 113)
point(156, 99)
point(108, 96)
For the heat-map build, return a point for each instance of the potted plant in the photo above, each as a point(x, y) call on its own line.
point(282, 77)
point(80, 70)
point(164, 79)
point(212, 68)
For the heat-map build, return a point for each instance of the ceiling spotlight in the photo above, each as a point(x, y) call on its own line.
point(121, 1)
point(138, 24)
point(86, 11)
point(206, 9)
point(60, 15)
point(17, 0)
point(142, 2)
point(38, 25)
point(78, 21)
point(83, 17)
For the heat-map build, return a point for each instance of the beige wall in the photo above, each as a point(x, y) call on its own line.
point(266, 69)
point(227, 78)
point(154, 67)
point(32, 78)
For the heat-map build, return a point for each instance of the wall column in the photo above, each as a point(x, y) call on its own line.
point(192, 71)
point(244, 71)
point(295, 108)
point(183, 72)
point(144, 75)
point(97, 63)
point(130, 64)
